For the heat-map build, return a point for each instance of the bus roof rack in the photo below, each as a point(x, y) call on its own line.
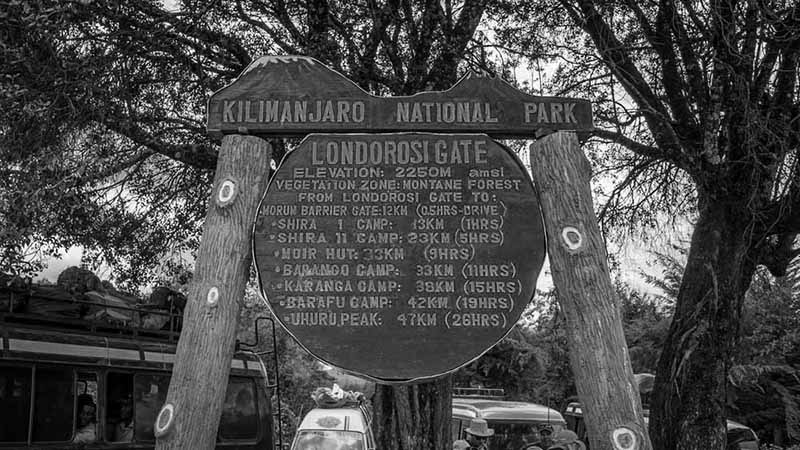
point(50, 308)
point(479, 392)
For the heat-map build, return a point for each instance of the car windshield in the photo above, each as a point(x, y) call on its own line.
point(328, 440)
point(739, 435)
point(513, 435)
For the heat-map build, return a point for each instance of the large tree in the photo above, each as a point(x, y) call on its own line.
point(700, 100)
point(102, 122)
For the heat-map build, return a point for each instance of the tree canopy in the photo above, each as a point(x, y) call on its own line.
point(103, 144)
point(103, 106)
point(701, 101)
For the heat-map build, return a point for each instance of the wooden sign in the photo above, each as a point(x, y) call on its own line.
point(294, 96)
point(399, 256)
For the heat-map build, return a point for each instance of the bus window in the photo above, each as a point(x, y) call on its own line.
point(85, 408)
point(53, 405)
point(239, 414)
point(149, 394)
point(15, 397)
point(119, 407)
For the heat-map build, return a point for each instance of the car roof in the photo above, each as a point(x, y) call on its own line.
point(732, 425)
point(505, 411)
point(345, 419)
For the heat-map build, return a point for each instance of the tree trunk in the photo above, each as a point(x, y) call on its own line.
point(190, 417)
point(689, 395)
point(414, 417)
point(597, 349)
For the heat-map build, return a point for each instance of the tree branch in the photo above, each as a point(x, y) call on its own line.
point(617, 59)
point(443, 71)
point(696, 77)
point(381, 19)
point(421, 46)
point(778, 252)
point(674, 85)
point(280, 13)
point(199, 156)
point(636, 147)
point(282, 43)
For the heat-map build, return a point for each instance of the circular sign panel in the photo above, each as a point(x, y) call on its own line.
point(399, 257)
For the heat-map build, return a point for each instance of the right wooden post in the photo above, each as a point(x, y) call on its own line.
point(598, 353)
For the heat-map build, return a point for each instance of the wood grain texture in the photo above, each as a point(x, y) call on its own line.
point(598, 352)
point(205, 349)
point(415, 416)
point(297, 95)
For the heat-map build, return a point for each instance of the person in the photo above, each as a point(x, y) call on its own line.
point(123, 430)
point(460, 445)
point(566, 440)
point(86, 431)
point(532, 440)
point(478, 434)
point(546, 436)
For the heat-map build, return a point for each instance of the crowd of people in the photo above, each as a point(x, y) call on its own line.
point(478, 436)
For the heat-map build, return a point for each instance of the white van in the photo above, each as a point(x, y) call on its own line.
point(343, 428)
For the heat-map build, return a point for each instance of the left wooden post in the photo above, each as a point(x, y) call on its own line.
point(189, 419)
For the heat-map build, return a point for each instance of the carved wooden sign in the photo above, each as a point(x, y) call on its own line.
point(294, 96)
point(399, 256)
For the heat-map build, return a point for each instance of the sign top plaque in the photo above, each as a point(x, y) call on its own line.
point(297, 95)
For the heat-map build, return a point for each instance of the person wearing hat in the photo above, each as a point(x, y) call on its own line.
point(532, 440)
point(566, 440)
point(478, 434)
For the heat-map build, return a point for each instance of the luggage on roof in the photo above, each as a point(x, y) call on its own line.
point(80, 297)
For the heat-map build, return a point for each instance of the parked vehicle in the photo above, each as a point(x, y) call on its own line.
point(344, 428)
point(512, 421)
point(74, 383)
point(740, 437)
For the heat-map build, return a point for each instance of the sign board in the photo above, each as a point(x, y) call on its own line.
point(294, 96)
point(399, 256)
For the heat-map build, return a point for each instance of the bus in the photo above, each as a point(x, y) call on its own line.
point(68, 382)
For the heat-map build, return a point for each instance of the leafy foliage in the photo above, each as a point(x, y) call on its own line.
point(704, 98)
point(297, 372)
point(102, 107)
point(645, 320)
point(529, 362)
point(765, 378)
point(103, 142)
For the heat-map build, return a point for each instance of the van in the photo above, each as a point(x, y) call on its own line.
point(510, 420)
point(342, 428)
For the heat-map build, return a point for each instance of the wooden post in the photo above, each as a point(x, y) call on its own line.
point(190, 417)
point(598, 352)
